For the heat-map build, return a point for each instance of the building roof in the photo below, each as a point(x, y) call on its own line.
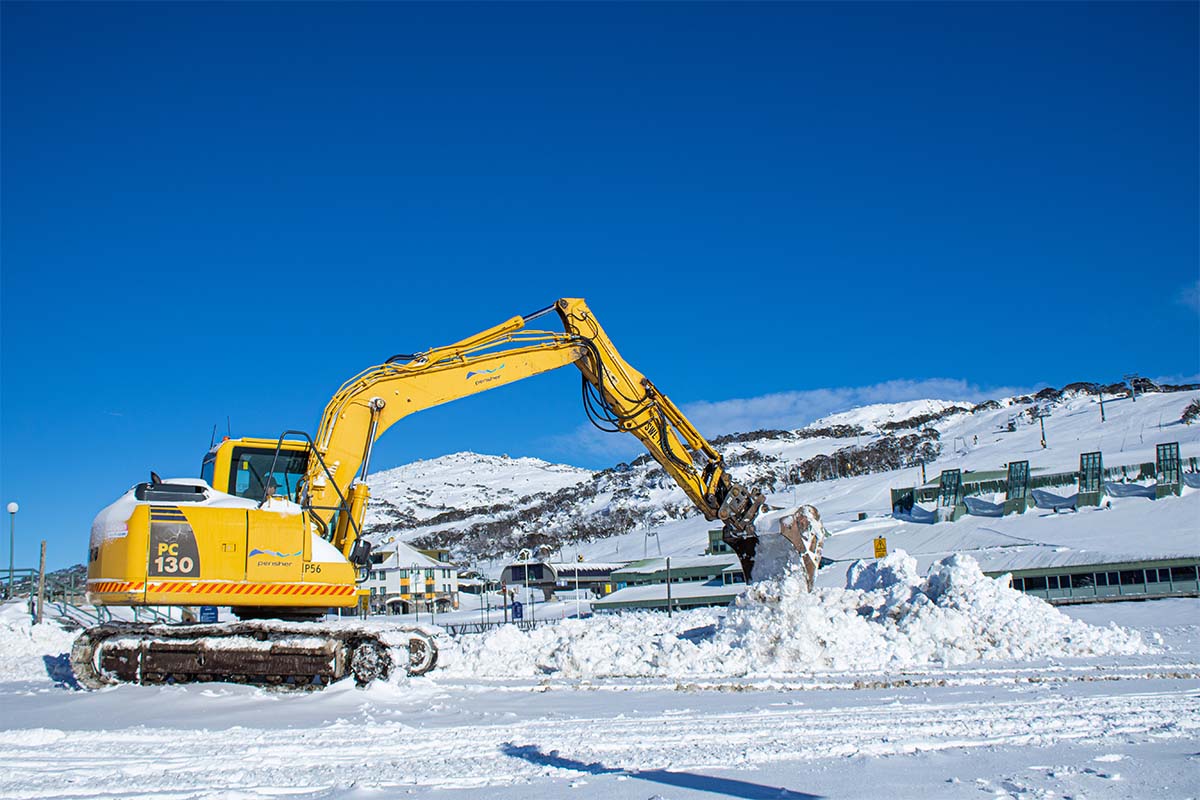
point(657, 592)
point(649, 566)
point(402, 556)
point(595, 568)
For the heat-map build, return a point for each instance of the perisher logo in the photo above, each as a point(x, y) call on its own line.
point(473, 373)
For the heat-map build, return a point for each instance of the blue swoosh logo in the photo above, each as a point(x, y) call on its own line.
point(484, 371)
point(257, 552)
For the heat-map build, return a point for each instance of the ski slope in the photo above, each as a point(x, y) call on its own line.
point(980, 441)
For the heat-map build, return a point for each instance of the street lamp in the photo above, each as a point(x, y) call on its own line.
point(12, 524)
point(526, 555)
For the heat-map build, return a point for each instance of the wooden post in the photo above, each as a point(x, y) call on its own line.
point(41, 600)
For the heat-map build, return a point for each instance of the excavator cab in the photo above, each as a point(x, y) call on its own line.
point(247, 467)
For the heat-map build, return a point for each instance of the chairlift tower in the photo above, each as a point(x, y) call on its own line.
point(1132, 379)
point(646, 542)
point(1041, 415)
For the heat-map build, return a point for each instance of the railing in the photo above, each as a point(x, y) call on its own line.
point(69, 609)
point(462, 628)
point(81, 615)
point(1121, 473)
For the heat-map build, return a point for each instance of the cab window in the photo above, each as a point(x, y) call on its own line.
point(251, 472)
point(206, 469)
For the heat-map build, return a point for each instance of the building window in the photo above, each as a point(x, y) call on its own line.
point(1183, 574)
point(1133, 577)
point(1083, 581)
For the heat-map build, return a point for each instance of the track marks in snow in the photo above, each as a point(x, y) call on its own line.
point(252, 763)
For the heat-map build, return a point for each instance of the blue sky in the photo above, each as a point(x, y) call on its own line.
point(777, 211)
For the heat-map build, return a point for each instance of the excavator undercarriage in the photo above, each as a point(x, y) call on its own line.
point(263, 653)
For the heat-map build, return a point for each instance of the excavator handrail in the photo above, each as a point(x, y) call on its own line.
point(343, 504)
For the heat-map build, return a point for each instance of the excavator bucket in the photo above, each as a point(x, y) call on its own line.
point(782, 540)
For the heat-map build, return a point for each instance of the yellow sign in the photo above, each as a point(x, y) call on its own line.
point(880, 547)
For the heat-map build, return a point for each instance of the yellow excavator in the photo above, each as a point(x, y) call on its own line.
point(273, 527)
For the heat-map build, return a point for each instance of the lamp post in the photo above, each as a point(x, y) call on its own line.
point(526, 555)
point(412, 587)
point(12, 525)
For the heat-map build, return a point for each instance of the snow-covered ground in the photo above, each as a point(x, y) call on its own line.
point(913, 677)
point(1109, 727)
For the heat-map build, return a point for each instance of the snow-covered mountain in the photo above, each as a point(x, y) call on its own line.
point(488, 507)
point(876, 414)
point(432, 487)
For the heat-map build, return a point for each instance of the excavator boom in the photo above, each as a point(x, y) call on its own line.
point(617, 398)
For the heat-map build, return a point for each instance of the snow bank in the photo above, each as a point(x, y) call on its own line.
point(25, 647)
point(887, 618)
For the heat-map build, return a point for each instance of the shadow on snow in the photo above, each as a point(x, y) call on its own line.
point(683, 780)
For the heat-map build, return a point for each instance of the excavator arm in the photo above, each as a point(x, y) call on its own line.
point(617, 397)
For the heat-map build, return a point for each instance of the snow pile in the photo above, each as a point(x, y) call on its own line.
point(25, 647)
point(887, 618)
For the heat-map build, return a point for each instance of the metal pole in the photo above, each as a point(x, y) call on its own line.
point(578, 613)
point(41, 595)
point(12, 526)
point(668, 586)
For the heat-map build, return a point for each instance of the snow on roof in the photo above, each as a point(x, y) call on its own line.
point(679, 591)
point(587, 566)
point(401, 555)
point(651, 565)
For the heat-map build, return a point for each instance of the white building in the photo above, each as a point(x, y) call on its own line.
point(403, 578)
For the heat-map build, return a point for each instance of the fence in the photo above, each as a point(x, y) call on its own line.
point(482, 627)
point(1122, 473)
